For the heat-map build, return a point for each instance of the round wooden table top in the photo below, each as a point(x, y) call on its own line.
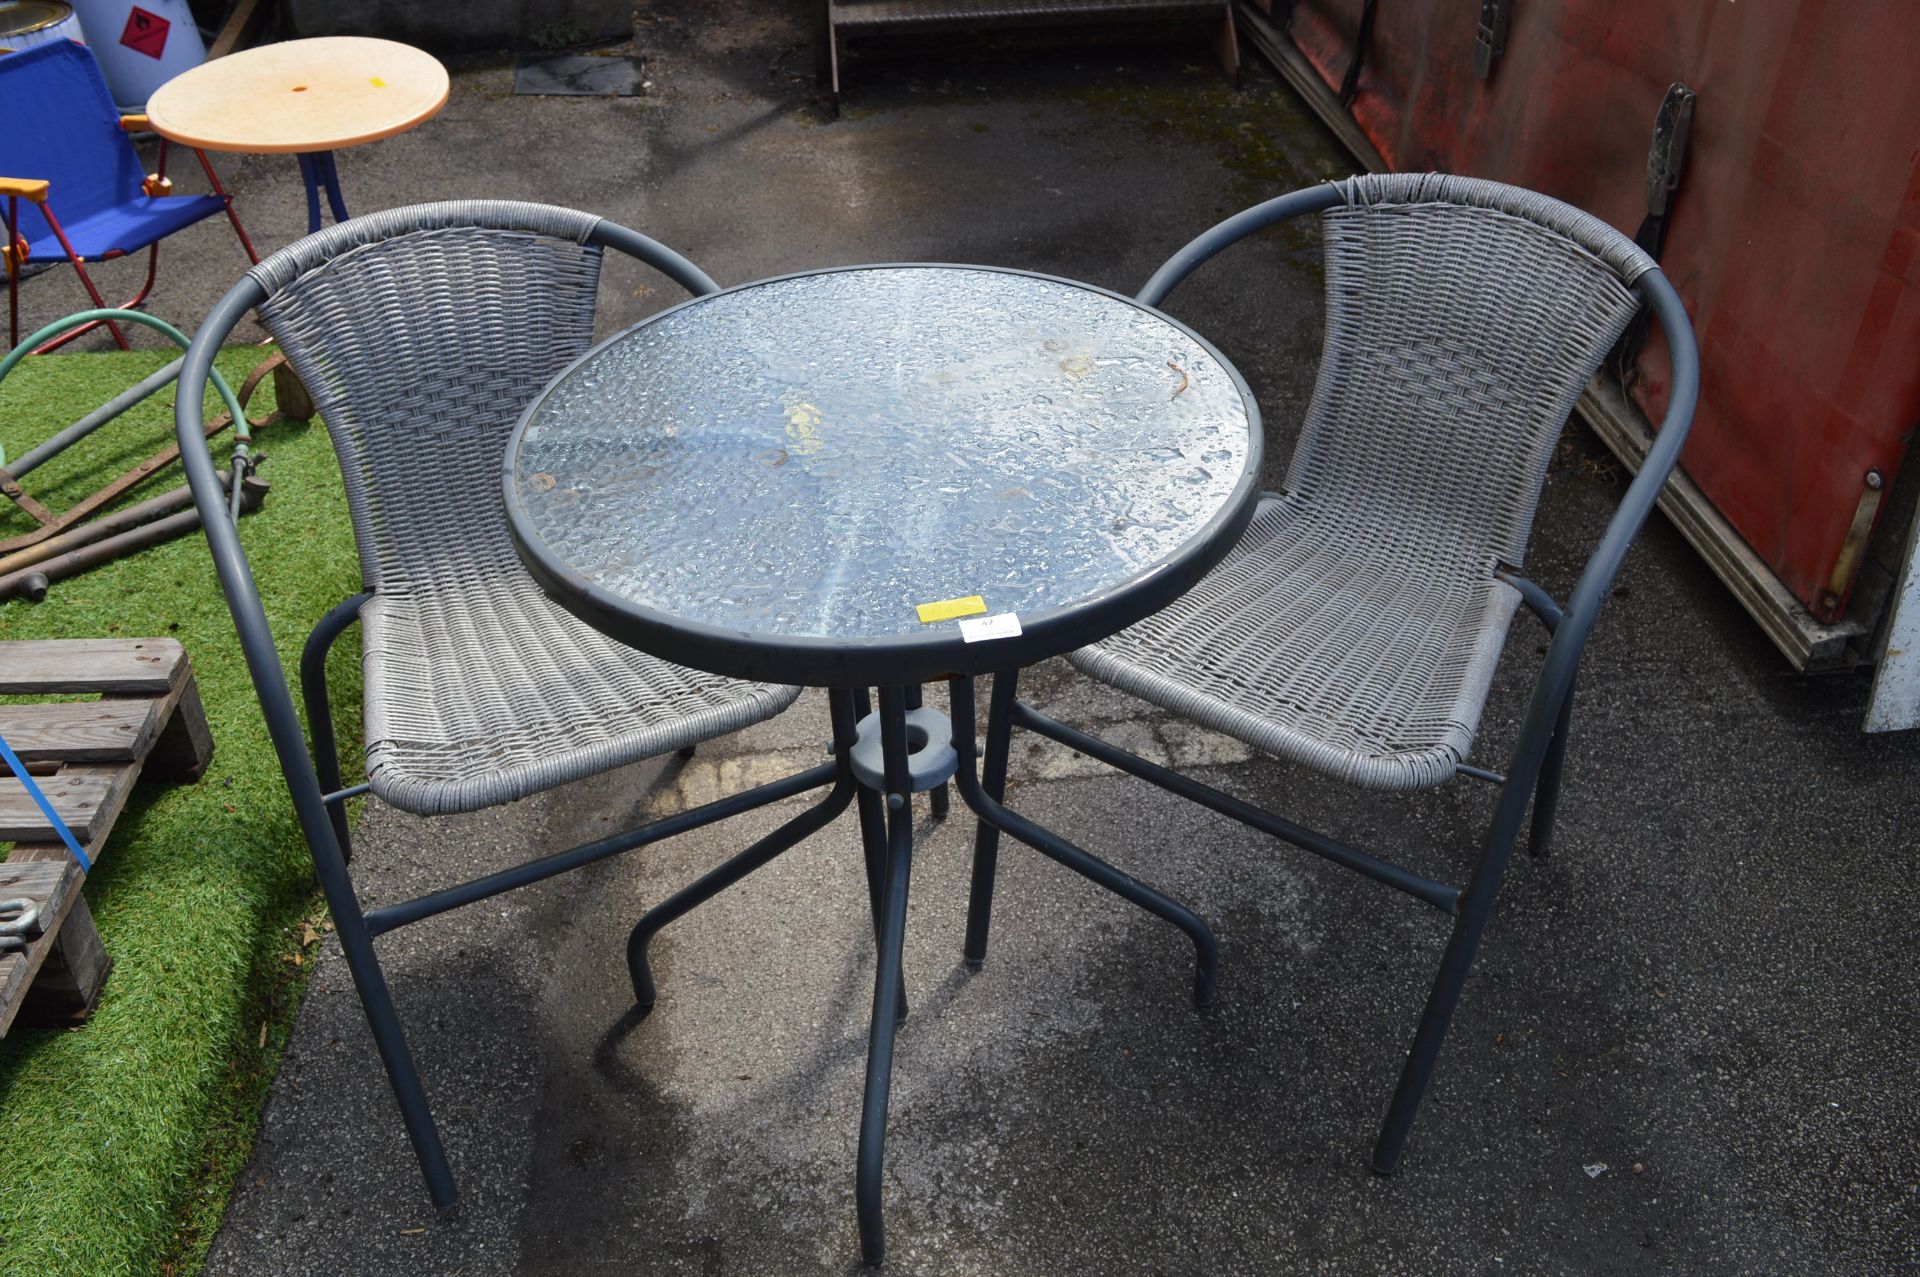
point(301, 95)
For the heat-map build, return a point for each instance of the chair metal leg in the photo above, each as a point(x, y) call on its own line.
point(986, 836)
point(356, 943)
point(233, 216)
point(1206, 950)
point(100, 303)
point(887, 978)
point(1476, 907)
point(15, 241)
point(81, 330)
point(11, 249)
point(1546, 795)
point(313, 690)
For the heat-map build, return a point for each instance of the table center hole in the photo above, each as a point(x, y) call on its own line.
point(299, 88)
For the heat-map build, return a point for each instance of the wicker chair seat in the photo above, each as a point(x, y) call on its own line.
point(480, 696)
point(1357, 627)
point(1315, 646)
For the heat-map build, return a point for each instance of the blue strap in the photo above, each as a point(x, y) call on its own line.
point(66, 835)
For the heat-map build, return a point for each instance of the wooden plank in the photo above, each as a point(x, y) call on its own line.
point(17, 969)
point(235, 31)
point(106, 731)
point(87, 796)
point(46, 666)
point(39, 882)
point(69, 982)
point(30, 853)
point(185, 745)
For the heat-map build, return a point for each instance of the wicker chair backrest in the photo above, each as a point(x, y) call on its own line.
point(422, 334)
point(1464, 318)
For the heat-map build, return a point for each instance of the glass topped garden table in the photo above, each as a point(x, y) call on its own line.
point(877, 477)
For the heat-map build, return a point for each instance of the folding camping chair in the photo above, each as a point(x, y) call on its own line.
point(64, 146)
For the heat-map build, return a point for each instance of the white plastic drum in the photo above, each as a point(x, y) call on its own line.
point(25, 23)
point(140, 46)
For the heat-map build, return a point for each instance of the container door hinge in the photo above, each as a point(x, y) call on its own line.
point(1666, 161)
point(1492, 39)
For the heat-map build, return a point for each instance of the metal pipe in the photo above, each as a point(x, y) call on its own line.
point(99, 417)
point(1206, 949)
point(718, 879)
point(105, 526)
point(383, 920)
point(313, 689)
point(33, 581)
point(1438, 894)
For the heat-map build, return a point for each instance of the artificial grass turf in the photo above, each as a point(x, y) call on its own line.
point(119, 1141)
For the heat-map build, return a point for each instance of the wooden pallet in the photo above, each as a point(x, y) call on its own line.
point(85, 755)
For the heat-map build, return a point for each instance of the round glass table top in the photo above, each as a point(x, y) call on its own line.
point(776, 480)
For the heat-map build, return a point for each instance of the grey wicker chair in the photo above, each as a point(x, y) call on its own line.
point(421, 334)
point(1356, 627)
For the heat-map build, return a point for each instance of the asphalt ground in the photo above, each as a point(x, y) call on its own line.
point(1690, 1043)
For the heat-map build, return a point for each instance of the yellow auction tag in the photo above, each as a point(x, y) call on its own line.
point(947, 609)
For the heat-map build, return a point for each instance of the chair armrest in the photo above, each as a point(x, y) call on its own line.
point(136, 124)
point(236, 577)
point(1313, 199)
point(1557, 674)
point(31, 188)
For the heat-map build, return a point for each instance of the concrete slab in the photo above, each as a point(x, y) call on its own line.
point(1710, 988)
point(576, 75)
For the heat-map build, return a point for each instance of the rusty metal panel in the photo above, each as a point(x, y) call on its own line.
point(1795, 236)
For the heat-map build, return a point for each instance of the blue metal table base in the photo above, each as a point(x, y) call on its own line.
point(317, 170)
point(886, 830)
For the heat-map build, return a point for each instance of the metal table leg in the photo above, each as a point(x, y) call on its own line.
point(317, 171)
point(986, 805)
point(760, 854)
point(887, 976)
point(887, 832)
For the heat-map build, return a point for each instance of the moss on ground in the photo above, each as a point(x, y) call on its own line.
point(120, 1141)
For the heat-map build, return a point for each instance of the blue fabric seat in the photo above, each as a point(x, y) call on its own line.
point(127, 228)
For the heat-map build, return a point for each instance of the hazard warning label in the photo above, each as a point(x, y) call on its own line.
point(146, 32)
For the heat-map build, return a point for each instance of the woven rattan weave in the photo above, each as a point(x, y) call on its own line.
point(1357, 625)
point(422, 334)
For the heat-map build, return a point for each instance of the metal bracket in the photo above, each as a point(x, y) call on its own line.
point(1847, 564)
point(16, 930)
point(1666, 162)
point(1491, 40)
point(1362, 38)
point(1667, 158)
